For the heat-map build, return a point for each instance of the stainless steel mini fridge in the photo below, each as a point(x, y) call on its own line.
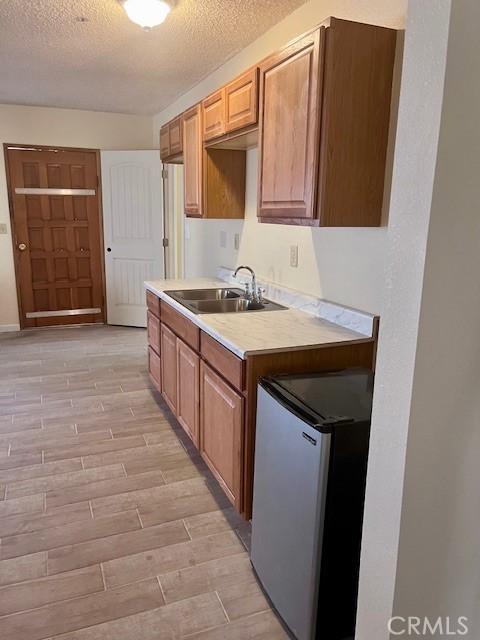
point(309, 486)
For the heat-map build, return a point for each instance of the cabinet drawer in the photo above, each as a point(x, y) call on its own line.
point(154, 368)
point(184, 328)
point(153, 303)
point(153, 332)
point(223, 360)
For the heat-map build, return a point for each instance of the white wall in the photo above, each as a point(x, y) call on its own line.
point(439, 551)
point(412, 185)
point(345, 265)
point(62, 127)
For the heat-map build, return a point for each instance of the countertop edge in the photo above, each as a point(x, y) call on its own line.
point(197, 320)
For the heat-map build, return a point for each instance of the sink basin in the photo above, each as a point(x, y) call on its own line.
point(220, 301)
point(205, 294)
point(231, 306)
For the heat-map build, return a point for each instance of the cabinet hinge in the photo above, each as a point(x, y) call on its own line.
point(164, 174)
point(165, 242)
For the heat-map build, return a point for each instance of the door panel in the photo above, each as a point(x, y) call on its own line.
point(153, 331)
point(241, 101)
point(213, 115)
point(57, 235)
point(133, 217)
point(168, 348)
point(289, 129)
point(188, 383)
point(175, 135)
point(221, 431)
point(192, 158)
point(154, 368)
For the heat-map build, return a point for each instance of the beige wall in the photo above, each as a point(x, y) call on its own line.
point(345, 265)
point(62, 127)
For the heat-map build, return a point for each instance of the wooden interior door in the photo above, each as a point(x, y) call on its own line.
point(57, 235)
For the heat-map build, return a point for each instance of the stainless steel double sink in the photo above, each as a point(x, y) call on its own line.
point(220, 301)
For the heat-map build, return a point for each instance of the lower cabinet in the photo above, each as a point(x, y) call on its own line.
point(168, 347)
point(221, 431)
point(188, 389)
point(154, 368)
point(153, 331)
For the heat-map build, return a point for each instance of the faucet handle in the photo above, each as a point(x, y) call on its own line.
point(260, 292)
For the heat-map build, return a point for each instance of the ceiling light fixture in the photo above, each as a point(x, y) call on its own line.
point(147, 13)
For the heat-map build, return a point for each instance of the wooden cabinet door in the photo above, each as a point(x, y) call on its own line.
point(164, 142)
point(290, 84)
point(213, 112)
point(221, 431)
point(168, 346)
point(192, 159)
point(188, 389)
point(175, 134)
point(241, 101)
point(153, 332)
point(154, 368)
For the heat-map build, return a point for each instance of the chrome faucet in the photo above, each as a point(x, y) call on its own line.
point(252, 292)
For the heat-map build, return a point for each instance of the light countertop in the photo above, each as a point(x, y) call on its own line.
point(256, 332)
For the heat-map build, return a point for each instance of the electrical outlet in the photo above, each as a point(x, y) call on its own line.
point(223, 239)
point(294, 255)
point(236, 241)
point(3, 229)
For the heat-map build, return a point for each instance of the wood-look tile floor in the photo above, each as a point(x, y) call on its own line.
point(111, 527)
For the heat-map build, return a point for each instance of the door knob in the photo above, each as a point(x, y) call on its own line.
point(22, 246)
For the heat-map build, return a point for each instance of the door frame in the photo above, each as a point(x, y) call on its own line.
point(6, 147)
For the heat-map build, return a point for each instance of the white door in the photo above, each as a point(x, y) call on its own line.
point(133, 228)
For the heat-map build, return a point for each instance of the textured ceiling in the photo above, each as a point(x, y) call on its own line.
point(49, 58)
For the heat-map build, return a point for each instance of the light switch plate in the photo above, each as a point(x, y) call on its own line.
point(3, 229)
point(294, 255)
point(236, 241)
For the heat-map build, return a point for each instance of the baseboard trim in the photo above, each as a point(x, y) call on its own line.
point(4, 328)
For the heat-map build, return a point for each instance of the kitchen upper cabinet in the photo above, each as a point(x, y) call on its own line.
point(221, 431)
point(168, 347)
point(188, 390)
point(171, 141)
point(324, 123)
point(193, 161)
point(241, 101)
point(175, 136)
point(358, 79)
point(290, 84)
point(214, 179)
point(164, 142)
point(213, 115)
